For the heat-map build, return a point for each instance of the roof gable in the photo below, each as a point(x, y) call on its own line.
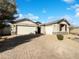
point(27, 22)
point(57, 22)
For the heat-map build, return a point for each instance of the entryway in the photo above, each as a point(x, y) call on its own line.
point(63, 27)
point(38, 30)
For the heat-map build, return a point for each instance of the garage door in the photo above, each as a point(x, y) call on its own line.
point(22, 30)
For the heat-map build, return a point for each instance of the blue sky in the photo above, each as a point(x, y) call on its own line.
point(49, 10)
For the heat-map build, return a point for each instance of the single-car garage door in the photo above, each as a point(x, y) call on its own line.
point(22, 30)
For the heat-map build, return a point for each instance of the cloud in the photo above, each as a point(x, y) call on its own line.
point(28, 15)
point(77, 14)
point(50, 17)
point(31, 16)
point(69, 1)
point(67, 17)
point(20, 16)
point(68, 8)
point(75, 8)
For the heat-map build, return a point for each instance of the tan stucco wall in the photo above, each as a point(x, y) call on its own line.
point(43, 30)
point(54, 28)
point(49, 29)
point(29, 23)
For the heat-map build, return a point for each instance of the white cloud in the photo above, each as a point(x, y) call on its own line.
point(31, 16)
point(68, 8)
point(75, 8)
point(60, 17)
point(50, 17)
point(67, 17)
point(77, 14)
point(20, 16)
point(69, 1)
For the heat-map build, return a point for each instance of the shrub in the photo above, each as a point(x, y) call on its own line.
point(60, 37)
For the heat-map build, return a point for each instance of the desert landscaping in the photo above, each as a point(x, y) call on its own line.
point(39, 29)
point(40, 47)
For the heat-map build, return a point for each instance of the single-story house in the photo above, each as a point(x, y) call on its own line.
point(27, 26)
point(24, 26)
point(56, 27)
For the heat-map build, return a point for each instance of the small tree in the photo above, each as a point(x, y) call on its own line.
point(7, 11)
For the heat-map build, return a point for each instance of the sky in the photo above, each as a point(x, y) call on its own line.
point(49, 10)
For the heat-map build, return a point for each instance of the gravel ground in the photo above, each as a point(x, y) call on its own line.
point(42, 47)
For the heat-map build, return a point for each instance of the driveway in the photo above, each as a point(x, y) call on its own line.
point(42, 47)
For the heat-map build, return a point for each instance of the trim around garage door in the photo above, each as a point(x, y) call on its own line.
point(23, 29)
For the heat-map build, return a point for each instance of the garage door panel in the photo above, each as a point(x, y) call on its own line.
point(21, 30)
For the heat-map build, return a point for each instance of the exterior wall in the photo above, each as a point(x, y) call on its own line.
point(54, 28)
point(49, 29)
point(43, 30)
point(26, 23)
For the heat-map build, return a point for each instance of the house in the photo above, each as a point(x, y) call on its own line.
point(56, 27)
point(24, 26)
point(27, 26)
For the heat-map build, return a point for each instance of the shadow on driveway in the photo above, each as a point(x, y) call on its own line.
point(15, 41)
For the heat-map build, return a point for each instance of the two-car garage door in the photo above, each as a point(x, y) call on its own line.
point(22, 30)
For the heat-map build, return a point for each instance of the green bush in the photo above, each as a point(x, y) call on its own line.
point(2, 25)
point(60, 37)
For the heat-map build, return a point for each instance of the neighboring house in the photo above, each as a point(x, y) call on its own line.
point(57, 27)
point(24, 26)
